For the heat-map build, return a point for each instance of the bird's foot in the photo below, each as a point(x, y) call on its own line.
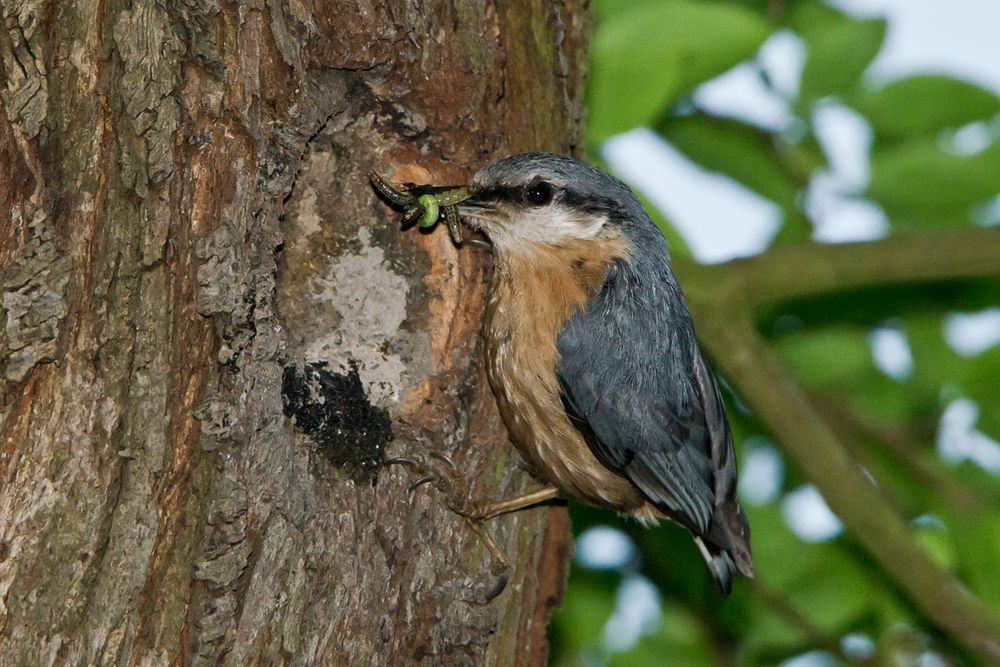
point(440, 471)
point(446, 478)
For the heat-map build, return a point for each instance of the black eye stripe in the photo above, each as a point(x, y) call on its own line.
point(566, 197)
point(499, 193)
point(590, 204)
point(519, 194)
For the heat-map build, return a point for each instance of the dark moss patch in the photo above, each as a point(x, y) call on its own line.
point(334, 411)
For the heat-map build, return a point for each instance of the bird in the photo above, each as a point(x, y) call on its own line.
point(592, 355)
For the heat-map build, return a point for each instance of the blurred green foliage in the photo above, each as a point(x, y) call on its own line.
point(647, 55)
point(827, 598)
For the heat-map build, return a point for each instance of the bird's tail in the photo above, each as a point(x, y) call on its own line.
point(726, 545)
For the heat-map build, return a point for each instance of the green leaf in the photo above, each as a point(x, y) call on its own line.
point(762, 162)
point(838, 359)
point(840, 48)
point(905, 216)
point(744, 153)
point(924, 105)
point(645, 57)
point(784, 561)
point(935, 364)
point(680, 637)
point(801, 576)
point(831, 358)
point(833, 603)
point(920, 174)
point(605, 9)
point(769, 631)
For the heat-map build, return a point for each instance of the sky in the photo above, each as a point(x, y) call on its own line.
point(721, 219)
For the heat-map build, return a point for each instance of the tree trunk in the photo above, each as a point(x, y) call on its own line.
point(213, 331)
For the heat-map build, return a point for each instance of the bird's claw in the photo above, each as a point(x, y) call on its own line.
point(444, 459)
point(446, 479)
point(416, 465)
point(400, 460)
point(420, 482)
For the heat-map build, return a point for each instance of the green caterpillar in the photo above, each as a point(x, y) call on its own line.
point(428, 207)
point(432, 210)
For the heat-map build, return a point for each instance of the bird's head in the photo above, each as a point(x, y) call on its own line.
point(533, 199)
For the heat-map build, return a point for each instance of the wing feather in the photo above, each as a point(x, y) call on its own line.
point(646, 402)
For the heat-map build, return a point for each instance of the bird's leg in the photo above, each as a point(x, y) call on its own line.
point(498, 559)
point(456, 491)
point(487, 510)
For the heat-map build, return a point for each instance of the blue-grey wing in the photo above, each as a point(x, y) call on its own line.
point(635, 383)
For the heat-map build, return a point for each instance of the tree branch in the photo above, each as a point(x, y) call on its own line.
point(811, 269)
point(815, 636)
point(898, 443)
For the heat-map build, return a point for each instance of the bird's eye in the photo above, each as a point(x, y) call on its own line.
point(538, 194)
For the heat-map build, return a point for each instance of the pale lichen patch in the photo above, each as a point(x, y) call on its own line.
point(371, 300)
point(308, 218)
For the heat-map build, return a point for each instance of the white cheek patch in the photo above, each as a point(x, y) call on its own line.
point(547, 225)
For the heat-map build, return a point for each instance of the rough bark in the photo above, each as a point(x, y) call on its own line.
point(212, 332)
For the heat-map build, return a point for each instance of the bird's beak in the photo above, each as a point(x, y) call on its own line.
point(465, 199)
point(474, 205)
point(477, 213)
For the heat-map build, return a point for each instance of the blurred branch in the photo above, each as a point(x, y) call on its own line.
point(898, 442)
point(775, 9)
point(722, 300)
point(810, 269)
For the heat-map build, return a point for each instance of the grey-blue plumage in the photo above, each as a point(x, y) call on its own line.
point(640, 391)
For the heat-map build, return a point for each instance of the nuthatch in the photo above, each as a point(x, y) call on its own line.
point(592, 355)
